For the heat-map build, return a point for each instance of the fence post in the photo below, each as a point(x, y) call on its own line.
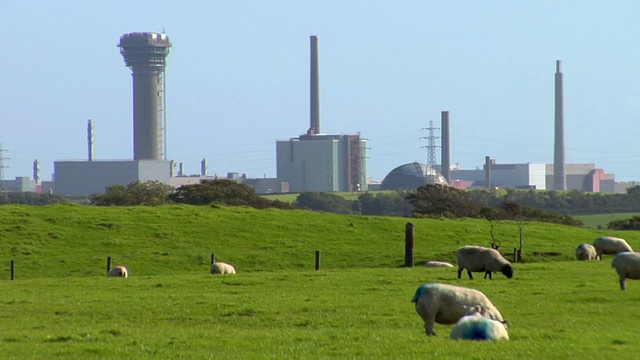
point(108, 264)
point(12, 270)
point(409, 241)
point(213, 258)
point(317, 259)
point(515, 255)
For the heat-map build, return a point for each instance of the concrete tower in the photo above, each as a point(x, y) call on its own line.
point(559, 178)
point(90, 140)
point(145, 53)
point(445, 169)
point(314, 126)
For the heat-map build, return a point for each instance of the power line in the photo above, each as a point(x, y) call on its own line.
point(431, 153)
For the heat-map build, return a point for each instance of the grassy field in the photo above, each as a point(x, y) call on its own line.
point(593, 221)
point(357, 306)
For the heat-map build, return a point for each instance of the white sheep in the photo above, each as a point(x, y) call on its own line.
point(222, 268)
point(482, 259)
point(446, 304)
point(435, 264)
point(610, 245)
point(118, 271)
point(627, 265)
point(585, 251)
point(476, 326)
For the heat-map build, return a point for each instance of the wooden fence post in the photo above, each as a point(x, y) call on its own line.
point(317, 259)
point(108, 263)
point(213, 258)
point(409, 240)
point(12, 270)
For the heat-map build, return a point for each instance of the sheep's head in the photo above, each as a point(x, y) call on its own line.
point(507, 271)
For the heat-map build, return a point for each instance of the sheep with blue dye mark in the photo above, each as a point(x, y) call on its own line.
point(446, 304)
point(118, 271)
point(482, 259)
point(436, 264)
point(627, 265)
point(586, 251)
point(222, 268)
point(476, 326)
point(609, 245)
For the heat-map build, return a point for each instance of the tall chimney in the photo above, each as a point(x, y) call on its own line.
point(446, 147)
point(203, 167)
point(314, 127)
point(487, 172)
point(559, 178)
point(36, 171)
point(90, 139)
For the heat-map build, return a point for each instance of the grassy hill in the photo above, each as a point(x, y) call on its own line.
point(61, 305)
point(75, 240)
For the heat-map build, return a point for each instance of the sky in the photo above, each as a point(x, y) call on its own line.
point(237, 80)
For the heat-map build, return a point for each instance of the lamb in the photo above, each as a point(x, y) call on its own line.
point(118, 271)
point(627, 265)
point(475, 326)
point(222, 268)
point(585, 251)
point(434, 264)
point(446, 304)
point(610, 245)
point(482, 259)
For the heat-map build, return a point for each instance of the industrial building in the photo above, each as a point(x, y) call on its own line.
point(320, 162)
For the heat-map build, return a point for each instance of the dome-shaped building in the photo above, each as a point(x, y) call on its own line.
point(410, 177)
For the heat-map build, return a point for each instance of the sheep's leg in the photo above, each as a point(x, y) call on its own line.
point(623, 286)
point(487, 273)
point(470, 276)
point(428, 326)
point(460, 272)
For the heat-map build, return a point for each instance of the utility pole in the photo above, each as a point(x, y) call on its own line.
point(431, 154)
point(2, 167)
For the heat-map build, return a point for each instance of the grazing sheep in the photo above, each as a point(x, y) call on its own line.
point(585, 251)
point(434, 264)
point(446, 304)
point(222, 268)
point(482, 259)
point(610, 245)
point(476, 326)
point(627, 265)
point(119, 271)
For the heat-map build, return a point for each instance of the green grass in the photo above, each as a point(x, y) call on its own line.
point(592, 221)
point(357, 306)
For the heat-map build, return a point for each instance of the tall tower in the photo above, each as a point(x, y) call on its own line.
point(559, 178)
point(314, 126)
point(445, 169)
point(145, 53)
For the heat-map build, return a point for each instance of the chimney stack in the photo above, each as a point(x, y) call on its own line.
point(90, 139)
point(559, 178)
point(314, 127)
point(445, 169)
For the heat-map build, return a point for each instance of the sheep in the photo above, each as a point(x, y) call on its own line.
point(482, 259)
point(585, 251)
point(610, 245)
point(222, 268)
point(446, 304)
point(118, 271)
point(627, 265)
point(434, 264)
point(476, 326)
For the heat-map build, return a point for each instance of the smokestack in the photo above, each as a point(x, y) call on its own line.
point(446, 147)
point(90, 139)
point(314, 127)
point(145, 53)
point(487, 171)
point(36, 171)
point(180, 169)
point(203, 167)
point(559, 178)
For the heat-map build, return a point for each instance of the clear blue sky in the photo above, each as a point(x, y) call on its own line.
point(238, 80)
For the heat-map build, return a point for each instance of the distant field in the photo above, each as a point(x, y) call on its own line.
point(292, 197)
point(592, 221)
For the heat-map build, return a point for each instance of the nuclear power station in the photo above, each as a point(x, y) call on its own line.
point(146, 53)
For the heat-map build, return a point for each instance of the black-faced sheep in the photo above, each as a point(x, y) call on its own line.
point(435, 264)
point(222, 268)
point(118, 271)
point(482, 259)
point(446, 304)
point(627, 265)
point(610, 245)
point(586, 251)
point(475, 326)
